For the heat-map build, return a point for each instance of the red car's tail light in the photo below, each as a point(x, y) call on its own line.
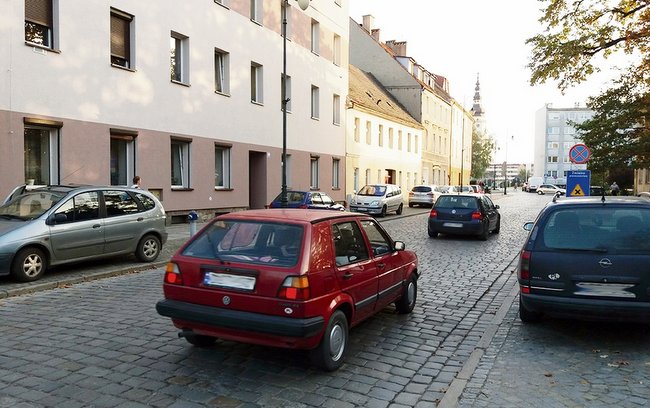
point(433, 213)
point(476, 215)
point(524, 265)
point(295, 288)
point(173, 274)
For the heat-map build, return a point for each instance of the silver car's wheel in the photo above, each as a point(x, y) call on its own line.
point(148, 248)
point(29, 265)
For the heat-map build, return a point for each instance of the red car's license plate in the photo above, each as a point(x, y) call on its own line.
point(225, 280)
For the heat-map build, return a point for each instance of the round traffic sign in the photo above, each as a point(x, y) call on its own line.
point(579, 154)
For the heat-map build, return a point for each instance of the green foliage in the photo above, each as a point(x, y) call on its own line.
point(482, 147)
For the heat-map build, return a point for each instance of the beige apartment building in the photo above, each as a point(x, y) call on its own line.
point(384, 141)
point(186, 95)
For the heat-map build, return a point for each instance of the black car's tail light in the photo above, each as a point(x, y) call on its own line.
point(524, 272)
point(476, 215)
point(173, 274)
point(295, 288)
point(433, 213)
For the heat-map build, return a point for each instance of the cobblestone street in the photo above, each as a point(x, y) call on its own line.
point(102, 344)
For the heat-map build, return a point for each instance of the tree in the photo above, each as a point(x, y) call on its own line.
point(482, 147)
point(579, 34)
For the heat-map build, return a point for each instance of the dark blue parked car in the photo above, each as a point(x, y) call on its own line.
point(307, 199)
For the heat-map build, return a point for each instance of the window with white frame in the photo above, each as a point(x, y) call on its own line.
point(380, 136)
point(399, 140)
point(357, 130)
point(256, 10)
point(554, 130)
point(417, 142)
point(221, 71)
point(39, 23)
point(368, 132)
point(257, 95)
point(336, 50)
point(285, 83)
point(313, 174)
point(355, 179)
point(551, 159)
point(315, 96)
point(41, 154)
point(553, 145)
point(408, 142)
point(122, 157)
point(367, 176)
point(179, 58)
point(315, 36)
point(121, 41)
point(180, 160)
point(390, 138)
point(336, 166)
point(336, 109)
point(222, 166)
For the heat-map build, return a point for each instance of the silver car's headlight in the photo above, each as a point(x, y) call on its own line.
point(374, 203)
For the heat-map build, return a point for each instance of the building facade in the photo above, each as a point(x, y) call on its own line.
point(384, 141)
point(187, 96)
point(555, 135)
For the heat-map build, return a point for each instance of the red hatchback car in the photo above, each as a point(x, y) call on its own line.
point(290, 278)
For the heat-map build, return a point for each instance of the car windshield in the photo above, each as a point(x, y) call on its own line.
point(603, 229)
point(456, 202)
point(30, 205)
point(377, 191)
point(421, 189)
point(292, 197)
point(253, 242)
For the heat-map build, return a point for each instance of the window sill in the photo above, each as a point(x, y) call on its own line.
point(222, 93)
point(315, 118)
point(257, 103)
point(123, 68)
point(256, 22)
point(222, 5)
point(182, 189)
point(180, 83)
point(224, 189)
point(336, 123)
point(315, 52)
point(42, 47)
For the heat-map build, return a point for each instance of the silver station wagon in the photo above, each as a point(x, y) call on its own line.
point(52, 225)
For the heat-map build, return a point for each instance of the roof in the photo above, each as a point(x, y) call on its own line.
point(290, 214)
point(366, 91)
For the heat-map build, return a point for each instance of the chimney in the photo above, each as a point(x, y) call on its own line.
point(375, 34)
point(398, 47)
point(368, 21)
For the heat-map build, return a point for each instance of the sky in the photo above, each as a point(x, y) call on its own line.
point(459, 39)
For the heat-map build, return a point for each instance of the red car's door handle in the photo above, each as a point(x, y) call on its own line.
point(381, 265)
point(347, 275)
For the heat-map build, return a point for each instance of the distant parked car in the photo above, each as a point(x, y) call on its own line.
point(476, 188)
point(53, 225)
point(307, 199)
point(587, 258)
point(290, 278)
point(464, 214)
point(550, 189)
point(378, 199)
point(597, 191)
point(425, 195)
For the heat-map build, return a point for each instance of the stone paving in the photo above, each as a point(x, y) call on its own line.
point(102, 344)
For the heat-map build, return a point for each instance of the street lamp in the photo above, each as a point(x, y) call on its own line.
point(505, 168)
point(303, 4)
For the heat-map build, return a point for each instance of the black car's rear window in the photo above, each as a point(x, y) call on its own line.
point(457, 202)
point(248, 242)
point(603, 229)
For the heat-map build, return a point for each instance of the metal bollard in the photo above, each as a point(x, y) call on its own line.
point(193, 217)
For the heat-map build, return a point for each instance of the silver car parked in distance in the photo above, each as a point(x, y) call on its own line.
point(426, 194)
point(52, 225)
point(378, 199)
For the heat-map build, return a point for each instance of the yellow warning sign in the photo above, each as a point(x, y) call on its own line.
point(577, 191)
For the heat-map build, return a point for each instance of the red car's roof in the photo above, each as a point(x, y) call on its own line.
point(293, 214)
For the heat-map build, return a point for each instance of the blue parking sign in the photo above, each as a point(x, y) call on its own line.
point(578, 183)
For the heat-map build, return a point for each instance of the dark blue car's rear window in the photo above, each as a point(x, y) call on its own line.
point(457, 202)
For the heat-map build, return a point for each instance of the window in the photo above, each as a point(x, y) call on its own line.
point(336, 165)
point(257, 83)
point(356, 179)
point(381, 136)
point(315, 36)
point(122, 158)
point(399, 140)
point(82, 207)
point(179, 58)
point(256, 11)
point(221, 71)
point(121, 53)
point(337, 50)
point(348, 244)
point(119, 203)
point(367, 176)
point(408, 143)
point(554, 130)
point(315, 109)
point(368, 134)
point(417, 142)
point(357, 131)
point(553, 145)
point(336, 109)
point(39, 23)
point(390, 138)
point(222, 166)
point(287, 96)
point(380, 243)
point(180, 156)
point(313, 182)
point(551, 159)
point(41, 155)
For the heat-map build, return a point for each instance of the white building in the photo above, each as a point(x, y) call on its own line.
point(384, 141)
point(186, 95)
point(554, 137)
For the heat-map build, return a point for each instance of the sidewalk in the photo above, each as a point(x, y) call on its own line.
point(66, 275)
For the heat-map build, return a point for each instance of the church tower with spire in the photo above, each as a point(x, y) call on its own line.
point(477, 109)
